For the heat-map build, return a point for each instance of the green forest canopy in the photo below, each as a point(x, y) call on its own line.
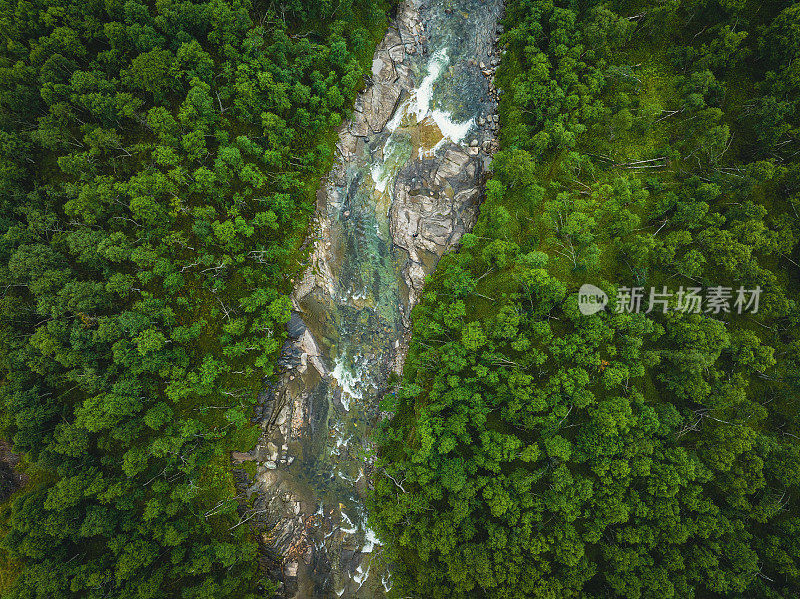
point(158, 162)
point(157, 174)
point(538, 452)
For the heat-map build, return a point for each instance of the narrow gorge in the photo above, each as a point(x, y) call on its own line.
point(406, 185)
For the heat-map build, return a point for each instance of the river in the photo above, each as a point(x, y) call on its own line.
point(405, 186)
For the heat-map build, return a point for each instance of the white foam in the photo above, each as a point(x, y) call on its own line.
point(370, 540)
point(352, 527)
point(341, 441)
point(380, 176)
point(420, 102)
point(395, 121)
point(357, 295)
point(360, 576)
point(423, 97)
point(384, 172)
point(348, 382)
point(450, 129)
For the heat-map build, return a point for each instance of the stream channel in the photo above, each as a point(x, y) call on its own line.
point(407, 183)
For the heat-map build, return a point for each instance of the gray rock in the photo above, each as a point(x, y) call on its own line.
point(273, 452)
point(295, 327)
point(454, 161)
point(239, 457)
point(379, 104)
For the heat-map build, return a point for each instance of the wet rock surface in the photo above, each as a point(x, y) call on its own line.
point(406, 186)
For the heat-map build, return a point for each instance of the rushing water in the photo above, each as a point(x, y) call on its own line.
point(357, 316)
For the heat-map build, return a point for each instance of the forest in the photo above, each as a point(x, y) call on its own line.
point(538, 451)
point(158, 164)
point(158, 169)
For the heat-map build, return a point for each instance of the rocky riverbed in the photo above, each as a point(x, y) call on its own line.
point(406, 185)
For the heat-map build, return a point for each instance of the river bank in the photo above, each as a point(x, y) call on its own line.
point(406, 185)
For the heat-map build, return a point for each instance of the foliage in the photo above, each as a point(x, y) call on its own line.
point(157, 169)
point(538, 452)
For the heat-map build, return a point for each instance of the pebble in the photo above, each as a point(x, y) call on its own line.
point(273, 451)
